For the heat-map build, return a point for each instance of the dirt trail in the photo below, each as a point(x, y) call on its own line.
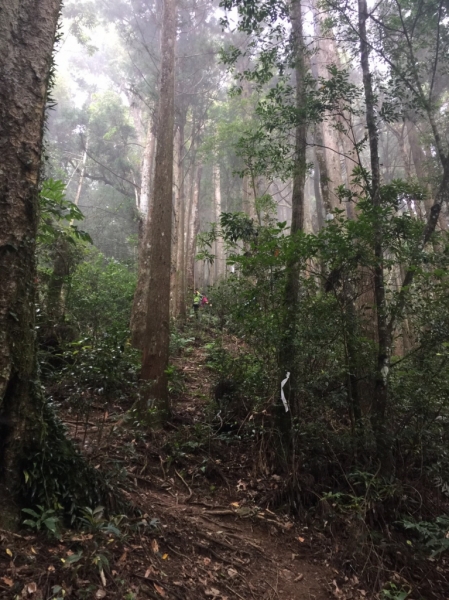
point(202, 534)
point(215, 552)
point(215, 537)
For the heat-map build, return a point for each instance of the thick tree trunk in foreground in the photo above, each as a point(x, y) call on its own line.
point(157, 333)
point(31, 439)
point(27, 32)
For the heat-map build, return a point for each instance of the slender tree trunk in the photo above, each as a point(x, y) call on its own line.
point(324, 180)
point(193, 229)
point(380, 403)
point(180, 299)
point(61, 271)
point(174, 275)
point(220, 266)
point(327, 138)
point(157, 333)
point(82, 175)
point(318, 196)
point(288, 350)
point(419, 162)
point(248, 197)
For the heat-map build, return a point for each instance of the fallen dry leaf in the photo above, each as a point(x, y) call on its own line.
point(232, 572)
point(8, 552)
point(100, 593)
point(32, 588)
point(301, 539)
point(159, 590)
point(155, 546)
point(150, 571)
point(300, 577)
point(7, 581)
point(212, 592)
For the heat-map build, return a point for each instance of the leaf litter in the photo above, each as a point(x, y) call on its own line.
point(201, 533)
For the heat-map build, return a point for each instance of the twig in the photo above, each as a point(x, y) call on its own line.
point(215, 554)
point(177, 552)
point(274, 590)
point(233, 591)
point(220, 512)
point(16, 535)
point(185, 483)
point(223, 544)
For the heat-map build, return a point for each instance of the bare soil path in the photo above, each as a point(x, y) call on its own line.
point(200, 533)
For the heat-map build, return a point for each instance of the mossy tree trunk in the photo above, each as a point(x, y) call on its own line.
point(27, 34)
point(31, 439)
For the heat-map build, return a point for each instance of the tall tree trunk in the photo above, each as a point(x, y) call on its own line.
point(174, 275)
point(140, 301)
point(318, 196)
point(29, 432)
point(288, 350)
point(147, 171)
point(193, 229)
point(27, 32)
point(180, 262)
point(82, 175)
point(327, 147)
point(220, 266)
point(61, 270)
point(157, 333)
point(419, 162)
point(249, 201)
point(380, 403)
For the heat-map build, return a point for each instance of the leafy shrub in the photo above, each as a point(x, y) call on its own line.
point(44, 520)
point(433, 536)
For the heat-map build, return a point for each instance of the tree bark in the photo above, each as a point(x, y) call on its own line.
point(220, 266)
point(157, 333)
point(380, 401)
point(193, 229)
point(174, 275)
point(29, 433)
point(288, 350)
point(27, 33)
point(147, 171)
point(140, 301)
point(327, 147)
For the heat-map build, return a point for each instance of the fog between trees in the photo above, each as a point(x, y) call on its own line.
point(289, 160)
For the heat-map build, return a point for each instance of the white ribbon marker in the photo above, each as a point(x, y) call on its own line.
point(283, 398)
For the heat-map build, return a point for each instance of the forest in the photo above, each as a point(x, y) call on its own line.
point(224, 299)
